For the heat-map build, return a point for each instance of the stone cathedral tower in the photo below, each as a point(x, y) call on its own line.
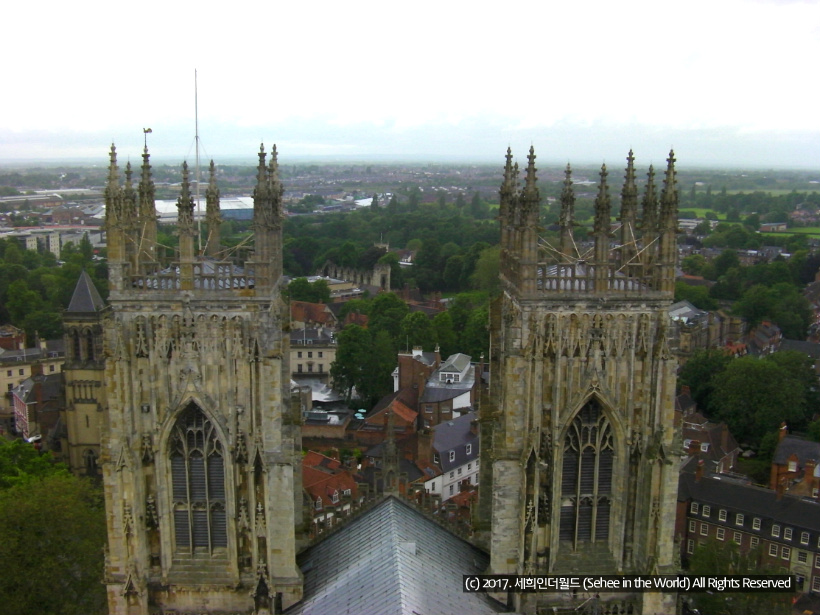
point(201, 446)
point(579, 428)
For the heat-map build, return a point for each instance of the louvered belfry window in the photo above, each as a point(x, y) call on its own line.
point(198, 476)
point(586, 483)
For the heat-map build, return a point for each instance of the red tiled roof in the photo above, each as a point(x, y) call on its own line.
point(403, 414)
point(313, 459)
point(320, 484)
point(302, 311)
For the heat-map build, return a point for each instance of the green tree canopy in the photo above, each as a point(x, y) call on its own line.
point(698, 374)
point(445, 335)
point(485, 276)
point(753, 397)
point(300, 289)
point(717, 558)
point(417, 330)
point(52, 533)
point(386, 313)
point(364, 361)
point(696, 295)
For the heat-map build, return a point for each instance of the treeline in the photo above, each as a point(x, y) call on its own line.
point(52, 534)
point(769, 206)
point(764, 291)
point(35, 289)
point(447, 236)
point(366, 357)
point(753, 396)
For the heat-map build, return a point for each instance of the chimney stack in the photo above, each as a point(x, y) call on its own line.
point(699, 471)
point(425, 444)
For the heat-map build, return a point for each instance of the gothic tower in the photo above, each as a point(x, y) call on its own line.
point(201, 444)
point(579, 427)
point(84, 377)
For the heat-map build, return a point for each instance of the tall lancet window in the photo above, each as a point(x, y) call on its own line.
point(198, 476)
point(586, 483)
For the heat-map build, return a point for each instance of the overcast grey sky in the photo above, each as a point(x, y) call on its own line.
point(724, 82)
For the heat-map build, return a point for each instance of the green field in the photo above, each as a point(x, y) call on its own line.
point(700, 212)
point(800, 230)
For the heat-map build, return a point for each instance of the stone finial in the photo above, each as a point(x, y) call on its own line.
point(669, 197)
point(113, 170)
point(602, 204)
point(567, 217)
point(212, 214)
point(185, 203)
point(649, 216)
point(531, 179)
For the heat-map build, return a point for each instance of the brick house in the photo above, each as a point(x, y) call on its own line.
point(785, 528)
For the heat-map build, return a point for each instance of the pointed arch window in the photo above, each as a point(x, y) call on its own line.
point(76, 346)
point(586, 484)
point(90, 462)
point(198, 478)
point(89, 344)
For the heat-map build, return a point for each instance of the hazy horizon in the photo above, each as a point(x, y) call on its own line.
point(721, 83)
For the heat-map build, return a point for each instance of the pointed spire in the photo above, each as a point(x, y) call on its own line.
point(629, 212)
point(112, 188)
point(113, 170)
point(669, 197)
point(668, 229)
point(649, 217)
point(276, 189)
point(86, 297)
point(185, 204)
point(566, 221)
point(212, 217)
point(508, 173)
point(630, 190)
point(185, 226)
point(530, 183)
point(505, 200)
point(530, 197)
point(147, 214)
point(129, 196)
point(261, 175)
point(146, 188)
point(602, 205)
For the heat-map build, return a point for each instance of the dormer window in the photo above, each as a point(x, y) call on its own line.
point(792, 466)
point(469, 449)
point(452, 455)
point(335, 497)
point(435, 458)
point(318, 503)
point(704, 447)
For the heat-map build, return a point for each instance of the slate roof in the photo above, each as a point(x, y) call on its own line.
point(54, 349)
point(392, 560)
point(793, 445)
point(810, 349)
point(86, 298)
point(751, 500)
point(454, 436)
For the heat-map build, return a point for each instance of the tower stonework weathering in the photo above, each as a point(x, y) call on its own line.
point(201, 443)
point(84, 372)
point(578, 434)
